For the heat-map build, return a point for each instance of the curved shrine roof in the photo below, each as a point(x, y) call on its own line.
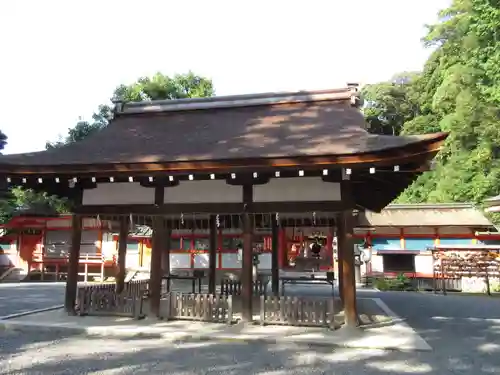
point(232, 130)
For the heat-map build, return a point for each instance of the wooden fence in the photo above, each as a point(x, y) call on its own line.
point(230, 287)
point(297, 311)
point(213, 308)
point(102, 299)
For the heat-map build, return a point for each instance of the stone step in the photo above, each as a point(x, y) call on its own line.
point(14, 274)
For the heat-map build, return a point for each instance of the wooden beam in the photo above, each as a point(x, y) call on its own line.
point(275, 268)
point(248, 179)
point(210, 208)
point(247, 264)
point(122, 254)
point(212, 254)
point(74, 257)
point(159, 195)
point(161, 182)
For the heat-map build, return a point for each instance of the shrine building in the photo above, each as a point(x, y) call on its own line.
point(227, 164)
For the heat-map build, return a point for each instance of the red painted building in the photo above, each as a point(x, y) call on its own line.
point(399, 238)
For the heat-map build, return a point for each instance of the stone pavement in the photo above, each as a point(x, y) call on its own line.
point(23, 297)
point(395, 334)
point(464, 333)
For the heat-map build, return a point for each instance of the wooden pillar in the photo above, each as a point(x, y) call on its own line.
point(283, 248)
point(348, 272)
point(275, 268)
point(122, 254)
point(340, 231)
point(167, 245)
point(329, 244)
point(74, 256)
point(247, 264)
point(157, 249)
point(212, 254)
point(156, 265)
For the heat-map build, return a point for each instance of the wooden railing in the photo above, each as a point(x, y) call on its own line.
point(213, 308)
point(297, 311)
point(103, 299)
point(230, 287)
point(56, 260)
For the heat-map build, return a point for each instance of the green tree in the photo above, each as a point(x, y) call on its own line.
point(20, 201)
point(157, 87)
point(458, 91)
point(388, 105)
point(3, 140)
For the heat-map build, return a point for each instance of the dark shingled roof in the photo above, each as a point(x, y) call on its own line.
point(226, 128)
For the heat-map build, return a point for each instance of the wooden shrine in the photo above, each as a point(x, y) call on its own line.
point(211, 160)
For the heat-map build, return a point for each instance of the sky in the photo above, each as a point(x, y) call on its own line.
point(60, 59)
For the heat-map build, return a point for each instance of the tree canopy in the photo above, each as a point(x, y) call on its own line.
point(3, 140)
point(157, 87)
point(458, 91)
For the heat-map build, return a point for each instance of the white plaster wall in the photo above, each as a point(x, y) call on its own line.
point(377, 263)
point(66, 223)
point(213, 191)
point(132, 259)
point(8, 258)
point(298, 189)
point(119, 193)
point(108, 246)
point(203, 260)
point(180, 261)
point(424, 264)
point(265, 261)
point(90, 242)
point(230, 260)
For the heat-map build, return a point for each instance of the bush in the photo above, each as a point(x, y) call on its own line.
point(495, 286)
point(401, 282)
point(381, 284)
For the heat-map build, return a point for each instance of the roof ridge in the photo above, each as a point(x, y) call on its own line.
point(349, 93)
point(412, 206)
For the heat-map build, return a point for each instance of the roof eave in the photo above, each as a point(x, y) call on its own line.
point(420, 152)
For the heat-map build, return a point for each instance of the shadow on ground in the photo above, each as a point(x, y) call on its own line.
point(74, 354)
point(463, 331)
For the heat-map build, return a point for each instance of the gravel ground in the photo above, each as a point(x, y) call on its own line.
point(49, 354)
point(20, 297)
point(461, 346)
